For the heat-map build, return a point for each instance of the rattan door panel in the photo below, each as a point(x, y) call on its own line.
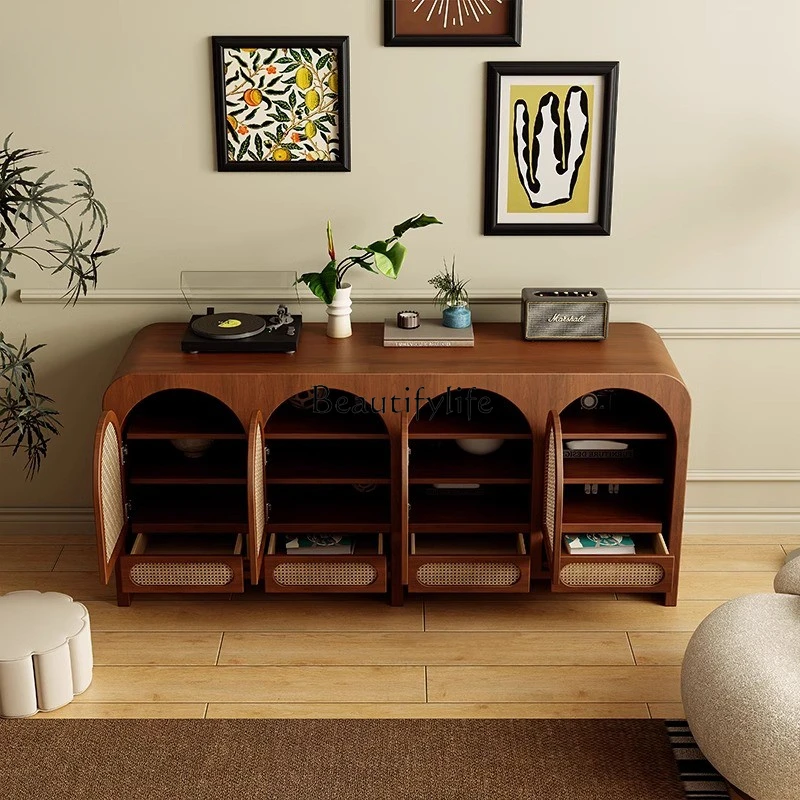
point(256, 496)
point(109, 494)
point(553, 499)
point(295, 574)
point(187, 573)
point(465, 573)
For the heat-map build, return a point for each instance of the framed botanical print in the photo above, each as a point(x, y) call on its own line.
point(550, 147)
point(452, 23)
point(281, 103)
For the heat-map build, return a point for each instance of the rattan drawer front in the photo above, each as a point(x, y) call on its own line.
point(464, 573)
point(634, 573)
point(182, 573)
point(325, 573)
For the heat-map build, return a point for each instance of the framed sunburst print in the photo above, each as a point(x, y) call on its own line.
point(549, 147)
point(419, 23)
point(281, 103)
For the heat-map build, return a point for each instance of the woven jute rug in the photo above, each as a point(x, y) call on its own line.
point(327, 759)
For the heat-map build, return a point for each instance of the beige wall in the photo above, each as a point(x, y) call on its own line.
point(706, 197)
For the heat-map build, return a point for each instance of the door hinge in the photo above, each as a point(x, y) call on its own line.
point(266, 454)
point(269, 511)
point(123, 454)
point(128, 510)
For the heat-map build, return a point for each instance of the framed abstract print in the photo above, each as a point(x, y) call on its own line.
point(549, 147)
point(452, 23)
point(281, 103)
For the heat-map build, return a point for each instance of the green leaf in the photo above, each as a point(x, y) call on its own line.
point(323, 61)
point(259, 148)
point(243, 148)
point(420, 221)
point(322, 284)
point(388, 260)
point(306, 54)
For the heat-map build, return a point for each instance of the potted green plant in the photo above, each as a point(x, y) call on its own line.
point(452, 297)
point(384, 256)
point(41, 223)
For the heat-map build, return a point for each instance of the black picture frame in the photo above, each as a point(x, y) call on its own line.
point(296, 152)
point(511, 38)
point(603, 75)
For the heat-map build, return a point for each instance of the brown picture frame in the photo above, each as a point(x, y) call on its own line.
point(451, 23)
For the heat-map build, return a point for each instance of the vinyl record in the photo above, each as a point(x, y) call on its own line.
point(228, 326)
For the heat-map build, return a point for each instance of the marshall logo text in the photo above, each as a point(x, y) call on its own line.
point(567, 318)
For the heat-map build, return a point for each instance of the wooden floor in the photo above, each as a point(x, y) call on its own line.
point(541, 655)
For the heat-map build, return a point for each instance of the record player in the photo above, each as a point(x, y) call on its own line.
point(241, 332)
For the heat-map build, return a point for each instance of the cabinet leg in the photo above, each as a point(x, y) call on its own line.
point(123, 598)
point(397, 596)
point(671, 597)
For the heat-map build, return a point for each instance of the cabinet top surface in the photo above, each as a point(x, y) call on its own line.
point(499, 350)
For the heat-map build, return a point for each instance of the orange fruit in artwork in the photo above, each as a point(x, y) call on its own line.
point(303, 78)
point(248, 49)
point(232, 121)
point(252, 97)
point(281, 154)
point(312, 99)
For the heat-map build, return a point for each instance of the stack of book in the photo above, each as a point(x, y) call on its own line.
point(600, 544)
point(319, 545)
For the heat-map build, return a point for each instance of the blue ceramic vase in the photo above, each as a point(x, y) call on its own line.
point(456, 317)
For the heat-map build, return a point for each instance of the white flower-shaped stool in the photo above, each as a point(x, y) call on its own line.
point(45, 652)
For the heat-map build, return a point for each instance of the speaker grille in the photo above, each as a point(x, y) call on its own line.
point(579, 320)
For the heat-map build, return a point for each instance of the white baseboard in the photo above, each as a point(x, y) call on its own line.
point(696, 520)
point(742, 520)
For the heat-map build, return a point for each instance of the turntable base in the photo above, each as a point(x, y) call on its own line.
point(267, 341)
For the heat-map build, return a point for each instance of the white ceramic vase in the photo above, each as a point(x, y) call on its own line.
point(339, 314)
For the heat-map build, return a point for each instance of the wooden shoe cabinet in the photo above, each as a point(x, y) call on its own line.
point(450, 470)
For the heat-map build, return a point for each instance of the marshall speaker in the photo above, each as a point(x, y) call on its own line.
point(562, 314)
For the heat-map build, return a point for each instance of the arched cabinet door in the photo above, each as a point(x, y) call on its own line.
point(553, 501)
point(256, 496)
point(109, 494)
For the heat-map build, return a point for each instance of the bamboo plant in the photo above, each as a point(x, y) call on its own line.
point(41, 223)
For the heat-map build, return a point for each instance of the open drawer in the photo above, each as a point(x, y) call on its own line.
point(496, 562)
point(364, 570)
point(649, 570)
point(183, 563)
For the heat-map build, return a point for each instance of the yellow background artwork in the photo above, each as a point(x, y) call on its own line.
point(517, 201)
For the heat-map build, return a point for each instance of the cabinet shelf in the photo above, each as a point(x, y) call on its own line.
point(607, 425)
point(445, 462)
point(328, 509)
point(182, 414)
point(289, 422)
point(328, 461)
point(157, 462)
point(612, 513)
point(611, 470)
point(185, 509)
point(494, 509)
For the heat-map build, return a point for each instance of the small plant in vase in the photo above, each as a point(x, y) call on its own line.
point(384, 256)
point(452, 297)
